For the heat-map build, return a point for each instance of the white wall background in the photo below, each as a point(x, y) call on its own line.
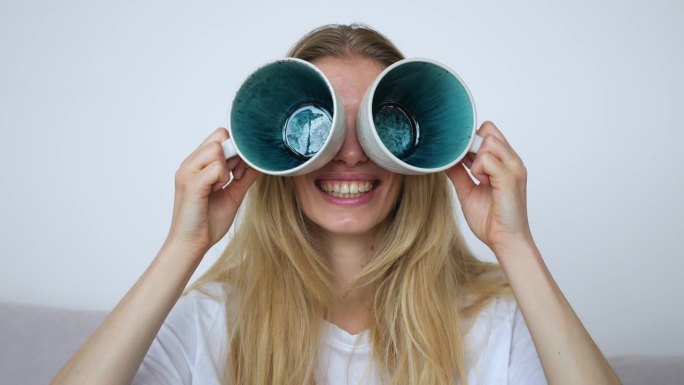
point(100, 101)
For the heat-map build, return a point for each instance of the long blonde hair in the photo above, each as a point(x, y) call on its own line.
point(425, 282)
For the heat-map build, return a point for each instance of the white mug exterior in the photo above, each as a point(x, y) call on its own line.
point(330, 147)
point(376, 150)
point(229, 150)
point(475, 144)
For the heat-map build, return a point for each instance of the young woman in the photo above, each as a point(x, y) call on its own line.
point(349, 274)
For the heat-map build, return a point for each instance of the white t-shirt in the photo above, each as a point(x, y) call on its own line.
point(191, 347)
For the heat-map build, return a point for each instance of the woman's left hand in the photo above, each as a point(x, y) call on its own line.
point(496, 208)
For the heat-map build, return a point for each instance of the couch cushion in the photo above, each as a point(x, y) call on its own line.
point(651, 370)
point(35, 342)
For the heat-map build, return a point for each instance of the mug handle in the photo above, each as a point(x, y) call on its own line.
point(229, 150)
point(477, 143)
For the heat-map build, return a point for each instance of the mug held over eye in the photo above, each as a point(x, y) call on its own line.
point(417, 117)
point(285, 119)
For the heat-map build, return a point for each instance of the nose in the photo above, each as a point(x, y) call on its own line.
point(351, 153)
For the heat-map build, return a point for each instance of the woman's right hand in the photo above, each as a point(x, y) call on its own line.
point(203, 209)
point(202, 213)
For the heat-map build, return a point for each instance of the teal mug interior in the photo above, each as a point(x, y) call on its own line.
point(281, 115)
point(423, 114)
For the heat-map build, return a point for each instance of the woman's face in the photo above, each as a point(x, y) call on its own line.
point(351, 195)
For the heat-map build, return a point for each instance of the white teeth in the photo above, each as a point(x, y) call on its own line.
point(346, 189)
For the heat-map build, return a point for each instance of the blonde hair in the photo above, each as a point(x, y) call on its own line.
point(425, 282)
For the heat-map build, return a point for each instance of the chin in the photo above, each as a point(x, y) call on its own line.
point(350, 227)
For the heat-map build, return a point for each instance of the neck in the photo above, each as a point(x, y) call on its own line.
point(346, 256)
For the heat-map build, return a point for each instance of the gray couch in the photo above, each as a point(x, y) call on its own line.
point(36, 341)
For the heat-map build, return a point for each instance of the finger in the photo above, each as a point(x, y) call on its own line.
point(462, 181)
point(230, 165)
point(214, 173)
point(489, 128)
point(487, 168)
point(219, 135)
point(195, 163)
point(237, 188)
point(233, 162)
point(239, 170)
point(504, 152)
point(209, 153)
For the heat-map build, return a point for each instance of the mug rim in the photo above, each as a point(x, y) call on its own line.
point(404, 166)
point(336, 120)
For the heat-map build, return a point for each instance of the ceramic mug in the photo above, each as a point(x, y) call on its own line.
point(417, 117)
point(285, 119)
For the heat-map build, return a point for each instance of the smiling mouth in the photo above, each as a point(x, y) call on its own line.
point(347, 188)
